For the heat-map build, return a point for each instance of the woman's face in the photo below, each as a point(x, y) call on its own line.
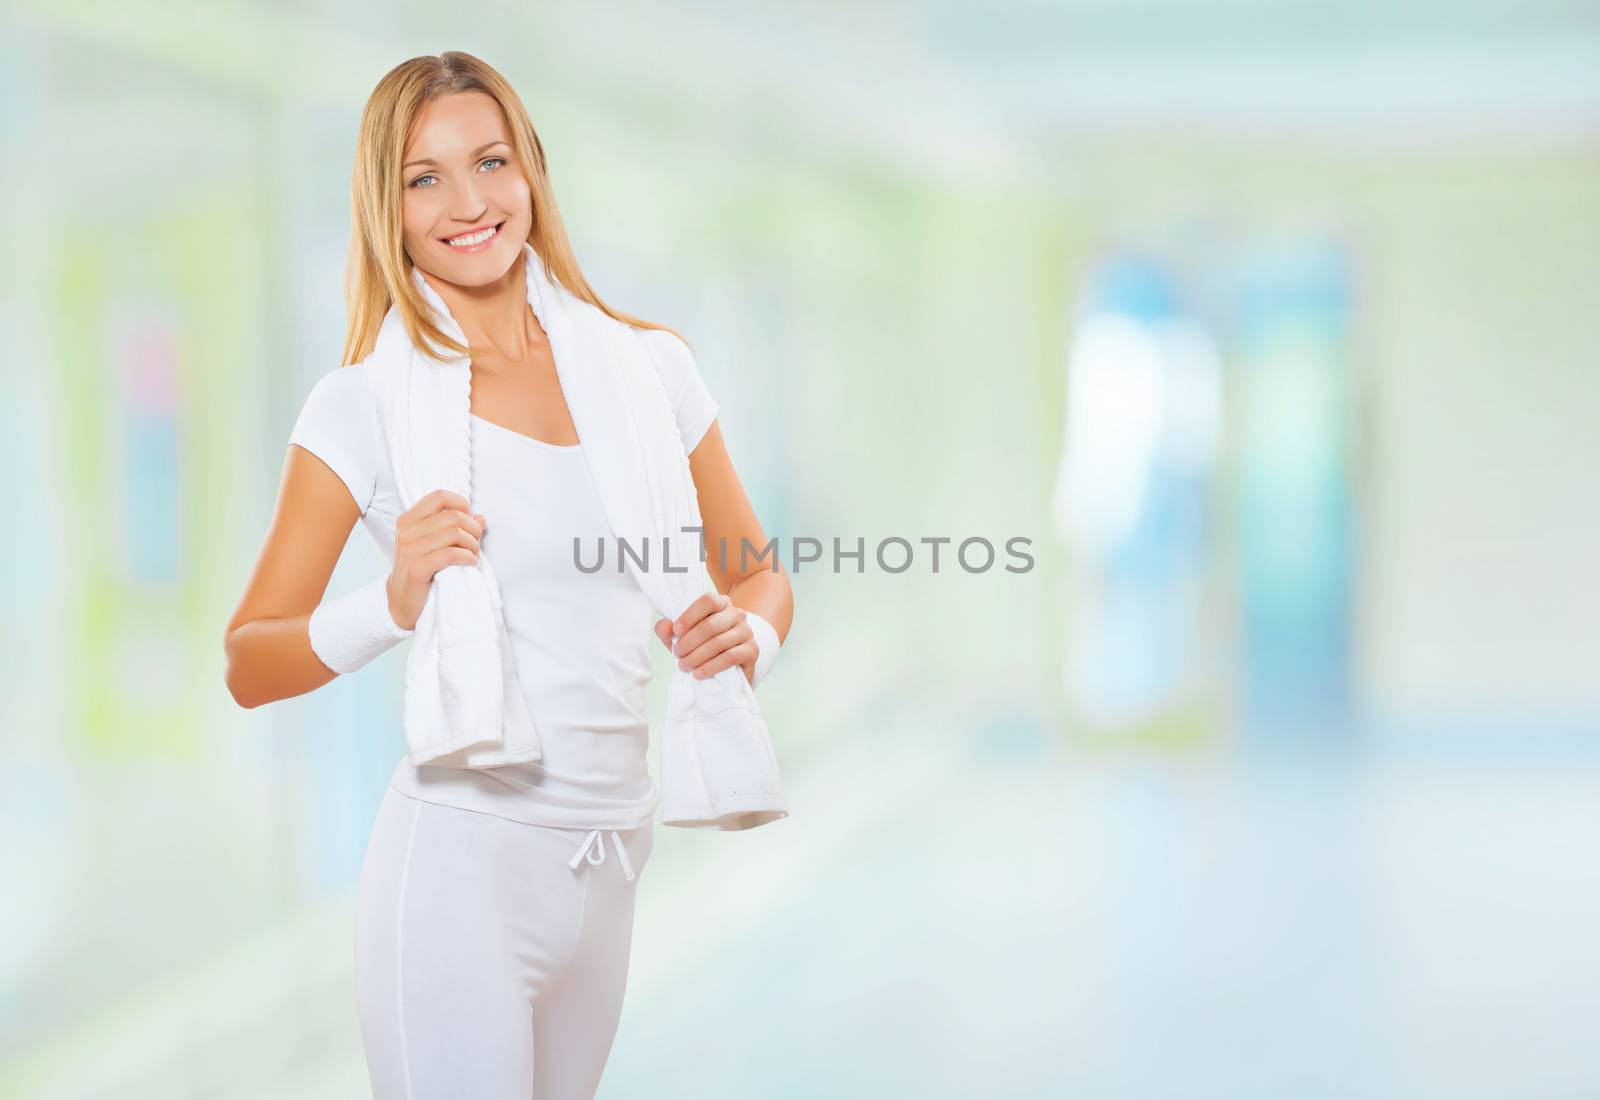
point(461, 179)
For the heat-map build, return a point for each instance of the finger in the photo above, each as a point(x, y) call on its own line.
point(707, 650)
point(431, 502)
point(718, 622)
point(444, 498)
point(446, 536)
point(703, 605)
point(444, 558)
point(735, 655)
point(446, 516)
point(427, 517)
point(452, 517)
point(664, 632)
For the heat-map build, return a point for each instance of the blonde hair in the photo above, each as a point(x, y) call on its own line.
point(378, 273)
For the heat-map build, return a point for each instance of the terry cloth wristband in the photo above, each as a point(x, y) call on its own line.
point(767, 646)
point(349, 631)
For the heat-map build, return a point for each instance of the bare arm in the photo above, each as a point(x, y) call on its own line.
point(748, 580)
point(267, 642)
point(713, 632)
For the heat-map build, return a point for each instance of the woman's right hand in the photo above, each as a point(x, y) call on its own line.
point(439, 531)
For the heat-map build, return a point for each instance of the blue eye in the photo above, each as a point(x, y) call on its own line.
point(497, 161)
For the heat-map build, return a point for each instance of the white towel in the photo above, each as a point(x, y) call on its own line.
point(463, 705)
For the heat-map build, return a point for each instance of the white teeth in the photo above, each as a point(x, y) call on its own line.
point(473, 238)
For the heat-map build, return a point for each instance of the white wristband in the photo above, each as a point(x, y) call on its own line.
point(767, 646)
point(351, 630)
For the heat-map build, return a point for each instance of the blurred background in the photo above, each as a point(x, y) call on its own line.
point(1272, 326)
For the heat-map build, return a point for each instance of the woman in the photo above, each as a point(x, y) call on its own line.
point(492, 926)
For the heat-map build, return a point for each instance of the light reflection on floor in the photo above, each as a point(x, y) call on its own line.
point(1024, 926)
point(971, 915)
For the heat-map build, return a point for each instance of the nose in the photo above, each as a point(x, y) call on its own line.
point(467, 205)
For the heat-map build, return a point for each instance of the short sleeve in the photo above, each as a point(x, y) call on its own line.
point(339, 424)
point(692, 403)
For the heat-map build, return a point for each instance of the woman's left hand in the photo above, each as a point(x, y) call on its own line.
point(712, 635)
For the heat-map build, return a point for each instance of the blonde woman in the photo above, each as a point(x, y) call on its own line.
point(495, 906)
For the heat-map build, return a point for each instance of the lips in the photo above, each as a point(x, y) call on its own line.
point(473, 239)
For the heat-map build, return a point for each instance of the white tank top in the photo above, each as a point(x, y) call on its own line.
point(578, 643)
point(579, 639)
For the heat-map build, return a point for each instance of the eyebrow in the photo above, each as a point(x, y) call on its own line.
point(475, 152)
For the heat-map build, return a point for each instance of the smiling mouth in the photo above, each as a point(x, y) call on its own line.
point(475, 237)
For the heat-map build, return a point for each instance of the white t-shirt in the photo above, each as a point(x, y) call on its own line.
point(579, 640)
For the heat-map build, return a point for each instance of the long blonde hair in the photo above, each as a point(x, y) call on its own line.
point(378, 273)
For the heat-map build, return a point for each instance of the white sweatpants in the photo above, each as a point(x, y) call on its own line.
point(491, 955)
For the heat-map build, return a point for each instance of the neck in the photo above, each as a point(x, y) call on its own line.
point(495, 315)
